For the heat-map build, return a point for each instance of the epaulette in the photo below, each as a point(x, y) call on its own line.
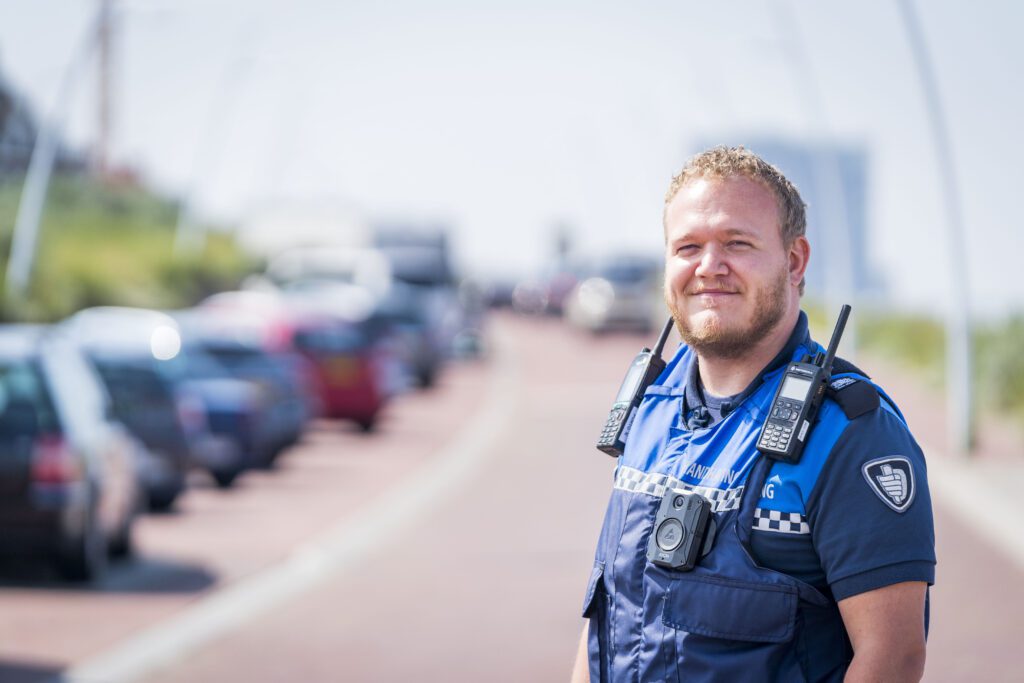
point(855, 396)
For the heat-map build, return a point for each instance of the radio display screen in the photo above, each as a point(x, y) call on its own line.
point(633, 378)
point(795, 388)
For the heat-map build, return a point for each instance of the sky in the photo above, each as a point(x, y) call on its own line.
point(506, 119)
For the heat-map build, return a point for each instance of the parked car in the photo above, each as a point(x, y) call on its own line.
point(620, 294)
point(352, 369)
point(357, 368)
point(421, 261)
point(145, 403)
point(271, 326)
point(239, 342)
point(69, 487)
point(403, 313)
point(226, 415)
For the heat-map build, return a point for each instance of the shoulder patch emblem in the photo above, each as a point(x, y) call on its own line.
point(892, 480)
point(841, 383)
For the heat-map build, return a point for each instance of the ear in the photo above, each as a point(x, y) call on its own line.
point(799, 255)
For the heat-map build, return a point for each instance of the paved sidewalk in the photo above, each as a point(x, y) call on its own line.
point(986, 489)
point(976, 621)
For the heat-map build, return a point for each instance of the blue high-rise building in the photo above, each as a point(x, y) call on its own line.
point(832, 179)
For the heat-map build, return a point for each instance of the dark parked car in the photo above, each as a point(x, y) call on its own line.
point(227, 415)
point(421, 259)
point(69, 488)
point(147, 405)
point(403, 313)
point(239, 342)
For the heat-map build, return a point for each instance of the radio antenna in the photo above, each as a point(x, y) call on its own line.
point(663, 338)
point(837, 334)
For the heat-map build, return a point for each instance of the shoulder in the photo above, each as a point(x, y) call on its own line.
point(852, 390)
point(868, 438)
point(856, 423)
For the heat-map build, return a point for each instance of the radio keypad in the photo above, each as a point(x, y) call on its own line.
point(779, 429)
point(611, 426)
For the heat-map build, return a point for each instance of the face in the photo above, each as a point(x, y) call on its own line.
point(729, 280)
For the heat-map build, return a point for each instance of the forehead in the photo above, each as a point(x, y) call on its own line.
point(734, 203)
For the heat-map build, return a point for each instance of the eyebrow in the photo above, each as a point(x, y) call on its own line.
point(730, 232)
point(739, 231)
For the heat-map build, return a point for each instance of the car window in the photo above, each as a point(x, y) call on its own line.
point(78, 395)
point(131, 386)
point(25, 405)
point(192, 363)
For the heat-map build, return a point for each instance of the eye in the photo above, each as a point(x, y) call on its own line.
point(739, 244)
point(686, 249)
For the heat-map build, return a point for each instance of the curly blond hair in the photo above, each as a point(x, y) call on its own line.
point(726, 162)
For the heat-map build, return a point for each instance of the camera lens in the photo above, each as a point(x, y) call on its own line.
point(670, 534)
point(678, 502)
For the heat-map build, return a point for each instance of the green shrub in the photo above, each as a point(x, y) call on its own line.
point(102, 245)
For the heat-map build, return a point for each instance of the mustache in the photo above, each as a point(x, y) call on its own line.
point(711, 287)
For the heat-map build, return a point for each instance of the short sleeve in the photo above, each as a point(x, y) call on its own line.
point(870, 511)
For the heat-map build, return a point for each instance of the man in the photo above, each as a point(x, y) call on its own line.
point(819, 569)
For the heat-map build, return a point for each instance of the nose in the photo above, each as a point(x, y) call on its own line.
point(712, 263)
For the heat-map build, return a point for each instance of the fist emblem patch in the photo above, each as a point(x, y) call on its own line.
point(892, 480)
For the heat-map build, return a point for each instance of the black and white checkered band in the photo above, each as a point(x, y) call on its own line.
point(781, 522)
point(655, 484)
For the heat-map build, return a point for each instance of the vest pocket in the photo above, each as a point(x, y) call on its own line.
point(730, 609)
point(597, 608)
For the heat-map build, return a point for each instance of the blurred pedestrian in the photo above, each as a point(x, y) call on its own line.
point(819, 569)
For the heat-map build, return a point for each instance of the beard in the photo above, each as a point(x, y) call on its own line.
point(712, 339)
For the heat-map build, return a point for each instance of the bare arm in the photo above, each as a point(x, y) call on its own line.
point(886, 628)
point(581, 671)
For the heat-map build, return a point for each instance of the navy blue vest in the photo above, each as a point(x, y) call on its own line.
point(729, 619)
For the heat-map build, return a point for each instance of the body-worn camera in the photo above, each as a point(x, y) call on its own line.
point(684, 531)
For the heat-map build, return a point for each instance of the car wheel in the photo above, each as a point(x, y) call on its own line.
point(123, 544)
point(225, 478)
point(426, 378)
point(162, 501)
point(87, 559)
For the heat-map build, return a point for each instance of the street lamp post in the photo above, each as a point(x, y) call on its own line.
point(959, 395)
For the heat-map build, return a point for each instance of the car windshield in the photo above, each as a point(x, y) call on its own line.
point(244, 360)
point(332, 339)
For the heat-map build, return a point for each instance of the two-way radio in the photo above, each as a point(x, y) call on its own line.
point(797, 400)
point(642, 372)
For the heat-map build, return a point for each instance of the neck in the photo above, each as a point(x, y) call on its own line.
point(729, 376)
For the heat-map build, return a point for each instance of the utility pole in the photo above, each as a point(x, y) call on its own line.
point(104, 39)
point(959, 393)
point(37, 180)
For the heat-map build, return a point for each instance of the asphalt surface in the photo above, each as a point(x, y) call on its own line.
point(451, 546)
